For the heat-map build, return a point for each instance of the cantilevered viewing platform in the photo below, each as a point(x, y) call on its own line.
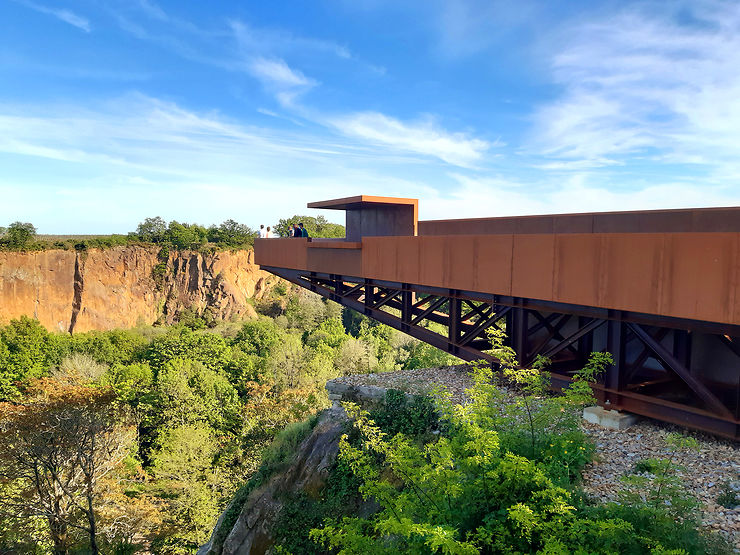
point(659, 290)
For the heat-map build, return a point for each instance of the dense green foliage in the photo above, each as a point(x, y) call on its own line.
point(399, 413)
point(729, 495)
point(499, 477)
point(317, 226)
point(205, 401)
point(17, 236)
point(230, 234)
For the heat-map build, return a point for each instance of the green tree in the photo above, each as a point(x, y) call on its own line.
point(152, 230)
point(231, 233)
point(187, 392)
point(27, 351)
point(258, 337)
point(19, 235)
point(184, 467)
point(210, 349)
point(186, 236)
point(317, 226)
point(285, 363)
point(56, 448)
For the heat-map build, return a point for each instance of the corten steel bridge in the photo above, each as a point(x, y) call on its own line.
point(659, 290)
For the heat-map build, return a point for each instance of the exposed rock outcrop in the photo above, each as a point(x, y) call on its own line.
point(253, 531)
point(101, 289)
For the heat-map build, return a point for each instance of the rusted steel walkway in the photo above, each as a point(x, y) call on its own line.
point(660, 290)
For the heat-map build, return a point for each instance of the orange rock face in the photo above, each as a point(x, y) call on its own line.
point(102, 289)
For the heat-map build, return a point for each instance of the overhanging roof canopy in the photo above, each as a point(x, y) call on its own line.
point(362, 201)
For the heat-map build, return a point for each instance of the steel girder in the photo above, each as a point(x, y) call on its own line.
point(652, 374)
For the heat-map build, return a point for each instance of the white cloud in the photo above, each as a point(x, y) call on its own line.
point(422, 137)
point(277, 73)
point(649, 82)
point(578, 192)
point(185, 165)
point(61, 14)
point(277, 77)
point(280, 42)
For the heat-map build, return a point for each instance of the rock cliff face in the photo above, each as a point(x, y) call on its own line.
point(101, 289)
point(253, 532)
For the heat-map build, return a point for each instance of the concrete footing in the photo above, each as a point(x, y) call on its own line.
point(611, 419)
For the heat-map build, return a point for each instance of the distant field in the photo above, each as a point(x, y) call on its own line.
point(42, 237)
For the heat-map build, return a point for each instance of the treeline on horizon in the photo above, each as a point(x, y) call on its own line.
point(22, 236)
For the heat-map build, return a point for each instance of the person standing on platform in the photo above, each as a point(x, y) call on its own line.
point(303, 230)
point(269, 234)
point(262, 234)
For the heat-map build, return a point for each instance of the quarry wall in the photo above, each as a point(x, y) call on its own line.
point(121, 287)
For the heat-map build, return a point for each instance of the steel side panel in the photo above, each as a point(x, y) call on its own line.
point(726, 219)
point(575, 223)
point(431, 261)
point(532, 266)
point(693, 276)
point(697, 275)
point(492, 264)
point(341, 261)
point(632, 272)
point(281, 252)
point(576, 278)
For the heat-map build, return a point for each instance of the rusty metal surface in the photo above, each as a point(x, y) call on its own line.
point(647, 221)
point(326, 244)
point(375, 216)
point(360, 201)
point(345, 262)
point(380, 220)
point(692, 276)
point(289, 252)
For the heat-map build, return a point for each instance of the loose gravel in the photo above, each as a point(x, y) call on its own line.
point(704, 472)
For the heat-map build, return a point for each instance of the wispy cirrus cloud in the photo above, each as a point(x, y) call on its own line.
point(280, 42)
point(178, 141)
point(184, 166)
point(423, 137)
point(264, 53)
point(60, 13)
point(657, 81)
point(499, 195)
point(279, 78)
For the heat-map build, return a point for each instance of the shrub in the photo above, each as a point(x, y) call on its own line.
point(729, 496)
point(19, 235)
point(648, 466)
point(400, 414)
point(498, 479)
point(152, 230)
point(80, 368)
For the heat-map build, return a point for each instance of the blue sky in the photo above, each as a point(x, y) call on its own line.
point(116, 110)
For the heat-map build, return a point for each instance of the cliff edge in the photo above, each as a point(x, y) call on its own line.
point(121, 287)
